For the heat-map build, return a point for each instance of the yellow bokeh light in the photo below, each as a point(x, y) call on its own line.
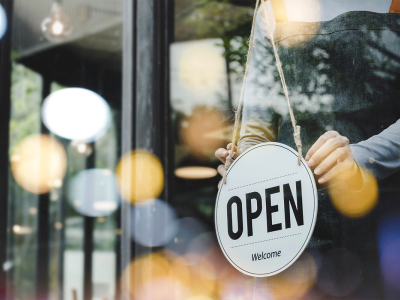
point(150, 271)
point(355, 204)
point(144, 270)
point(213, 264)
point(197, 130)
point(192, 278)
point(162, 288)
point(291, 284)
point(200, 297)
point(236, 285)
point(140, 176)
point(38, 163)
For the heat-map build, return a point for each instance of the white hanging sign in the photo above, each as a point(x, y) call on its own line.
point(266, 212)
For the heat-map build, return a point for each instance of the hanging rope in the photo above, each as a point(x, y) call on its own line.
point(296, 128)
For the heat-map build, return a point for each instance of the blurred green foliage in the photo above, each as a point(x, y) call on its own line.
point(26, 97)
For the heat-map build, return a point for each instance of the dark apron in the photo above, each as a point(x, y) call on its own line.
point(343, 75)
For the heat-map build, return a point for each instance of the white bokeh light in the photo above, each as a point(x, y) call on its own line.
point(76, 114)
point(93, 193)
point(3, 21)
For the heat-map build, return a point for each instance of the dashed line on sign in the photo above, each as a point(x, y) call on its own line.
point(266, 240)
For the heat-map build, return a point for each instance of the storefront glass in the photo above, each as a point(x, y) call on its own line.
point(116, 111)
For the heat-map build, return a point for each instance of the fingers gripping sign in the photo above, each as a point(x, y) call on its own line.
point(223, 154)
point(331, 156)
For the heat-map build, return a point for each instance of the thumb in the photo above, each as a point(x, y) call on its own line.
point(236, 150)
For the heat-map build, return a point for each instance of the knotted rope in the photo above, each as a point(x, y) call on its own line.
point(296, 128)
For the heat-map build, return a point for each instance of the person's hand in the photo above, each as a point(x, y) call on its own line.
point(222, 154)
point(331, 154)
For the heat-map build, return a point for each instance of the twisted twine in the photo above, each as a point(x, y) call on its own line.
point(296, 128)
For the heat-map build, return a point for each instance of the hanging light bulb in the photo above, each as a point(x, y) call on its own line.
point(56, 25)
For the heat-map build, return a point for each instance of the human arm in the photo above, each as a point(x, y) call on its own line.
point(333, 155)
point(259, 122)
point(260, 114)
point(380, 153)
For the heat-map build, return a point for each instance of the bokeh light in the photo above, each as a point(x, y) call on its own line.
point(201, 297)
point(153, 223)
point(195, 172)
point(199, 246)
point(355, 204)
point(3, 21)
point(147, 274)
point(38, 163)
point(304, 11)
point(93, 192)
point(389, 250)
point(82, 148)
point(146, 269)
point(340, 273)
point(163, 289)
point(32, 210)
point(188, 230)
point(76, 114)
point(203, 132)
point(198, 270)
point(20, 230)
point(293, 283)
point(202, 68)
point(213, 265)
point(237, 286)
point(140, 176)
point(198, 284)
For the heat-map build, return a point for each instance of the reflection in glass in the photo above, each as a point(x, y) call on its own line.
point(201, 68)
point(57, 25)
point(203, 132)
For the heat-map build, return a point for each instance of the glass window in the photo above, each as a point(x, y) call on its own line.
point(117, 109)
point(64, 145)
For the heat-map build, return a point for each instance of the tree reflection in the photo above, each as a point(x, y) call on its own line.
point(337, 80)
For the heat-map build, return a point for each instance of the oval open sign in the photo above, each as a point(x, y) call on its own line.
point(266, 212)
